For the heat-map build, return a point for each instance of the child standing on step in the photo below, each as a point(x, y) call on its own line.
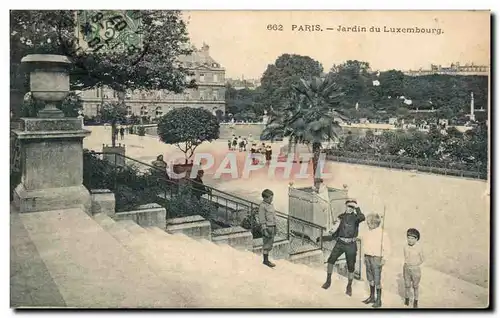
point(267, 220)
point(414, 257)
point(376, 251)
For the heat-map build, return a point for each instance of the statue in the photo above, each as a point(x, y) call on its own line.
point(265, 118)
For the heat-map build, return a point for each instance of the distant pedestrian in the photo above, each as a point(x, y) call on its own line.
point(229, 144)
point(122, 132)
point(245, 143)
point(414, 257)
point(267, 220)
point(269, 153)
point(262, 149)
point(240, 144)
point(235, 142)
point(253, 152)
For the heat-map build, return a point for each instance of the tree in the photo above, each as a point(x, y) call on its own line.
point(153, 65)
point(187, 128)
point(312, 119)
point(241, 101)
point(278, 80)
point(354, 79)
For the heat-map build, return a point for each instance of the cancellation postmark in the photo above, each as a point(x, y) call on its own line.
point(100, 31)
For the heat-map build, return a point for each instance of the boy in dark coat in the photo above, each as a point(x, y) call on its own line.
point(345, 230)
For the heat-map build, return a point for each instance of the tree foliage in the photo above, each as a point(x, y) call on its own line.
point(187, 128)
point(69, 106)
point(452, 149)
point(153, 66)
point(313, 118)
point(277, 83)
point(379, 95)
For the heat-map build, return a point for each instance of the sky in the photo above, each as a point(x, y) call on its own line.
point(241, 43)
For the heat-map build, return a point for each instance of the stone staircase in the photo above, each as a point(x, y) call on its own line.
point(66, 258)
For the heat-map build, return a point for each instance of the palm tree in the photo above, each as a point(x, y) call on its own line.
point(312, 117)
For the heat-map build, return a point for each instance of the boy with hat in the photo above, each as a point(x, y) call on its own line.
point(376, 249)
point(267, 219)
point(414, 257)
point(345, 230)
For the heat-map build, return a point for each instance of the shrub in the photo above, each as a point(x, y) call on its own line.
point(187, 128)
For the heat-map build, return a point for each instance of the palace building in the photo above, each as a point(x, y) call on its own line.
point(453, 69)
point(210, 94)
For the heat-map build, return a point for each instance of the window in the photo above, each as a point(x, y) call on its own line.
point(215, 94)
point(144, 111)
point(129, 110)
point(158, 112)
point(97, 92)
point(215, 78)
point(202, 77)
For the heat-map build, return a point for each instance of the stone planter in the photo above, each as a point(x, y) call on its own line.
point(184, 167)
point(49, 81)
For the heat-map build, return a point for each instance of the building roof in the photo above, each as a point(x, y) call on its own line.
point(199, 57)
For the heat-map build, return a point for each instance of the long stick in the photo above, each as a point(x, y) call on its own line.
point(382, 240)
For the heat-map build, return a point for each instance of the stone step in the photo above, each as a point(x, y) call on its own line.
point(303, 273)
point(234, 275)
point(90, 268)
point(241, 269)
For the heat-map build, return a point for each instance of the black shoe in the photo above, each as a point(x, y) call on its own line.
point(327, 284)
point(348, 290)
point(407, 301)
point(415, 304)
point(369, 300)
point(378, 299)
point(269, 264)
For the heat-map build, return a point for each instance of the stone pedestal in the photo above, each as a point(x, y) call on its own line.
point(306, 204)
point(51, 165)
point(115, 155)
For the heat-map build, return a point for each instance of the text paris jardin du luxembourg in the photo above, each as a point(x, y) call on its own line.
point(389, 29)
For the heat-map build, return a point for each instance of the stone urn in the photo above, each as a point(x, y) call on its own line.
point(49, 81)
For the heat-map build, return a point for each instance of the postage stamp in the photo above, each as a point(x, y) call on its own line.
point(116, 30)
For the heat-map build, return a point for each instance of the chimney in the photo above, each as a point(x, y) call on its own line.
point(205, 48)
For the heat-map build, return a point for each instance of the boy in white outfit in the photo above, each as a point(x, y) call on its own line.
point(376, 248)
